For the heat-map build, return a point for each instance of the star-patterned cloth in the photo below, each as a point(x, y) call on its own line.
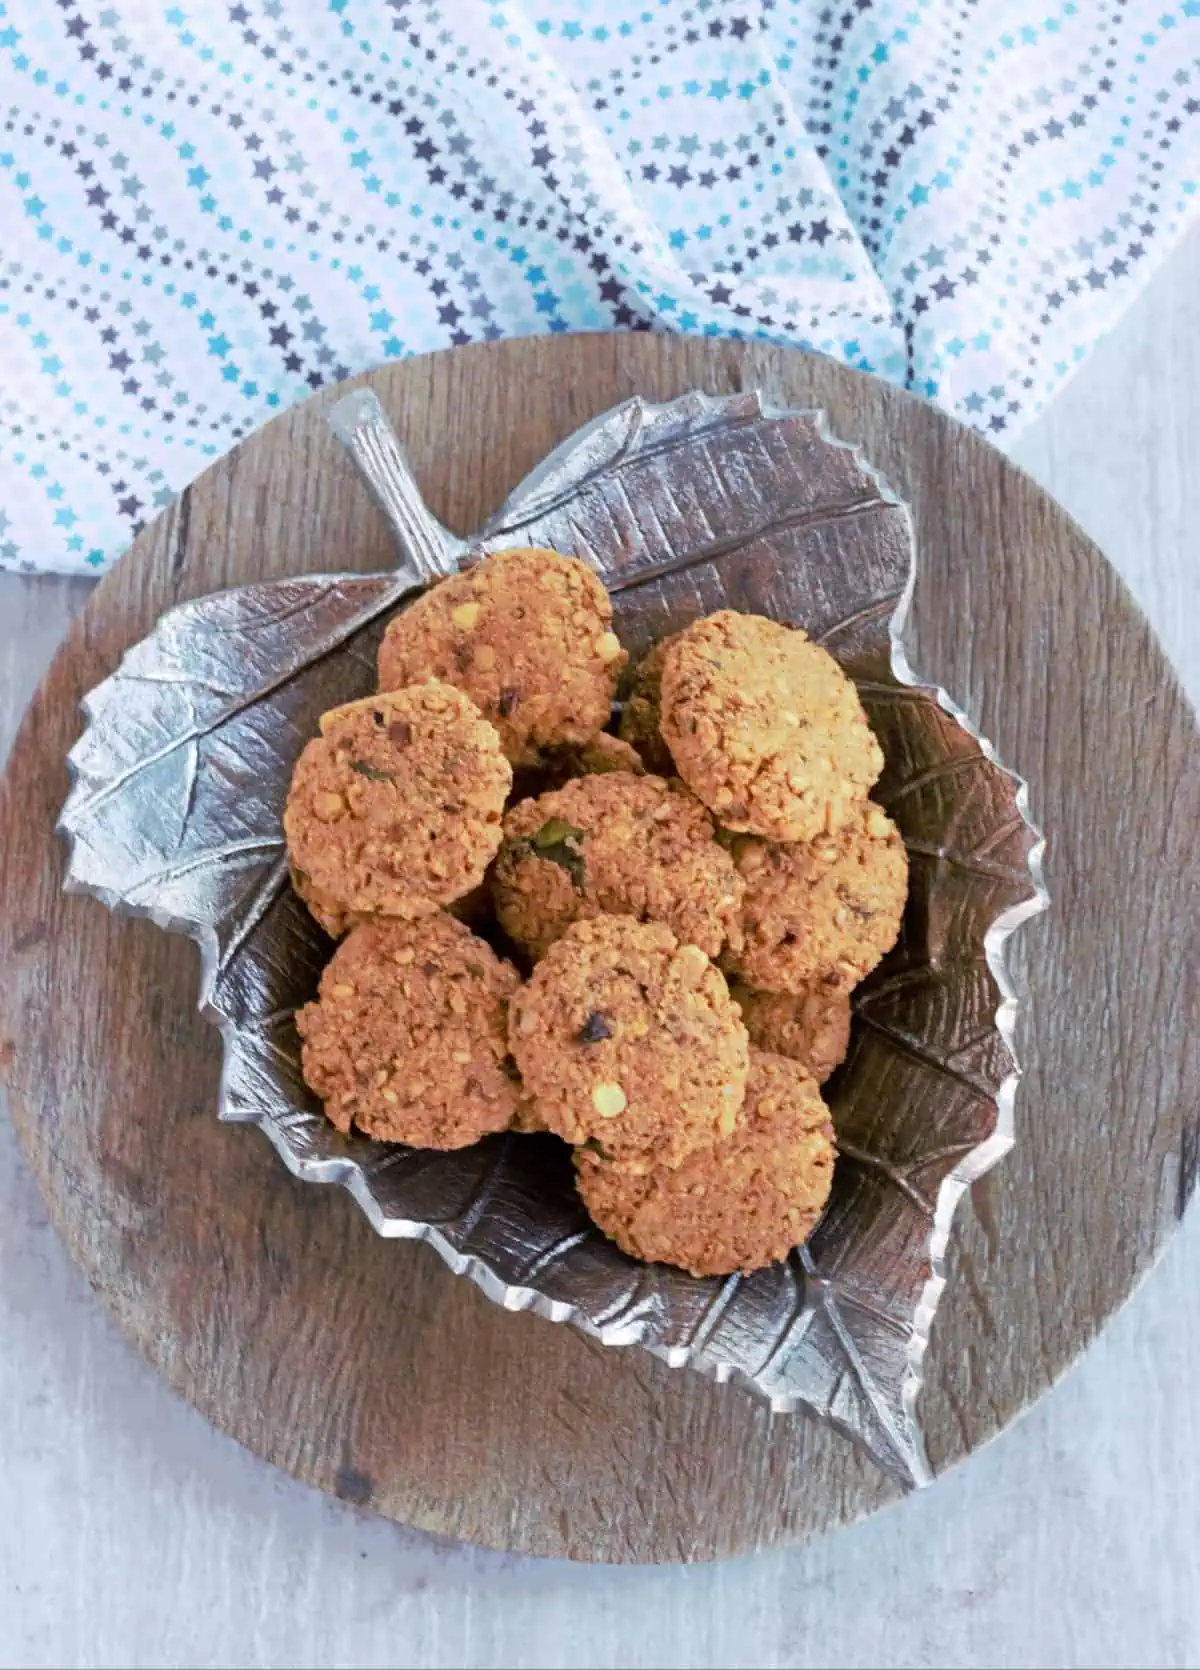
point(208, 211)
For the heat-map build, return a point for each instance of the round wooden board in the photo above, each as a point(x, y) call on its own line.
point(416, 1396)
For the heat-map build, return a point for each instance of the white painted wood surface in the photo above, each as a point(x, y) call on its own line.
point(133, 1535)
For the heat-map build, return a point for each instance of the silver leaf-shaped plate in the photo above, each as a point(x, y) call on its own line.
point(174, 813)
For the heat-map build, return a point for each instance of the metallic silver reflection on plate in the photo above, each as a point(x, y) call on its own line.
point(178, 784)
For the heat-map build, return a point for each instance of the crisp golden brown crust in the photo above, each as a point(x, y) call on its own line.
point(407, 1041)
point(528, 635)
point(331, 917)
point(735, 1205)
point(701, 1138)
point(627, 1038)
point(812, 1028)
point(558, 766)
point(474, 908)
point(820, 913)
point(641, 716)
point(526, 1120)
point(615, 845)
point(765, 727)
point(396, 807)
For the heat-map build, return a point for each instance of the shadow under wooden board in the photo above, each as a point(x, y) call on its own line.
point(363, 1366)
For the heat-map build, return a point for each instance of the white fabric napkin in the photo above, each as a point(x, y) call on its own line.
point(208, 211)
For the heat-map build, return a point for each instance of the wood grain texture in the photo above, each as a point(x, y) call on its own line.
point(423, 1403)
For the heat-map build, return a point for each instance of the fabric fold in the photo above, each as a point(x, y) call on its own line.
point(208, 213)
